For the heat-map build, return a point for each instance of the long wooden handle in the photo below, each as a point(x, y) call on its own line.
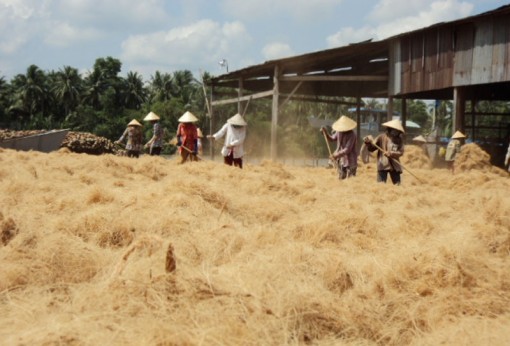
point(397, 162)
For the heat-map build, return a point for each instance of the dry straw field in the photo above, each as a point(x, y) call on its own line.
point(107, 250)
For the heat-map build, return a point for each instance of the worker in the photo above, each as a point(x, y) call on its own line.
point(200, 135)
point(345, 155)
point(134, 136)
point(507, 157)
point(187, 137)
point(155, 144)
point(422, 143)
point(234, 131)
point(453, 148)
point(390, 147)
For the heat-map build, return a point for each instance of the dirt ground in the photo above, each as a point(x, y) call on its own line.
point(108, 250)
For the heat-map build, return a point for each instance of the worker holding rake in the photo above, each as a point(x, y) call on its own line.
point(234, 132)
point(345, 155)
point(390, 146)
point(187, 137)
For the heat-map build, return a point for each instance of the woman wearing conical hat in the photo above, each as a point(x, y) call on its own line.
point(155, 144)
point(422, 143)
point(235, 134)
point(134, 136)
point(346, 154)
point(452, 149)
point(390, 147)
point(187, 137)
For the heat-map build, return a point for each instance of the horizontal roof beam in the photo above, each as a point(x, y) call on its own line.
point(243, 98)
point(334, 79)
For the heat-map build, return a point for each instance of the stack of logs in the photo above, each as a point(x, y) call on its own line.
point(77, 142)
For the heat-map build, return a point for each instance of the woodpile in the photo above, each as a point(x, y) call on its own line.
point(77, 142)
point(83, 142)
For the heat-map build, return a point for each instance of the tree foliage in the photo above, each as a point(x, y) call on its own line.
point(103, 102)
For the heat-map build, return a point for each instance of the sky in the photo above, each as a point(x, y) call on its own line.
point(195, 35)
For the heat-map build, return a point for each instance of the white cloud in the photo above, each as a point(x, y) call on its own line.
point(350, 35)
point(14, 19)
point(64, 34)
point(203, 42)
point(277, 50)
point(118, 11)
point(431, 13)
point(399, 16)
point(300, 9)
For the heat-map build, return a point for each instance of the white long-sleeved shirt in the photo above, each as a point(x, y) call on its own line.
point(234, 140)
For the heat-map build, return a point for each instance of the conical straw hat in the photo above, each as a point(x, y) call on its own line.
point(420, 138)
point(134, 122)
point(188, 117)
point(151, 116)
point(237, 120)
point(458, 134)
point(199, 133)
point(344, 124)
point(394, 124)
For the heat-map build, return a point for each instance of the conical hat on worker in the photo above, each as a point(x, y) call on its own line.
point(237, 120)
point(458, 134)
point(151, 116)
point(199, 133)
point(420, 138)
point(394, 124)
point(344, 124)
point(134, 122)
point(188, 117)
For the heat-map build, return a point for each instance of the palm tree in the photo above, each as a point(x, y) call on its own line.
point(67, 88)
point(162, 87)
point(93, 88)
point(135, 93)
point(31, 95)
point(186, 86)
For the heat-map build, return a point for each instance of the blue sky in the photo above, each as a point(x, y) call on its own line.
point(157, 35)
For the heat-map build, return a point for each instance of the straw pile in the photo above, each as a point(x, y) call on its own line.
point(118, 251)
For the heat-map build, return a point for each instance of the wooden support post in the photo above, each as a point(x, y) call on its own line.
point(404, 114)
point(240, 95)
point(389, 115)
point(459, 109)
point(358, 121)
point(274, 113)
point(211, 123)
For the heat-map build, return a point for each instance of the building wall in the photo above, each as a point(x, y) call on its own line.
point(471, 52)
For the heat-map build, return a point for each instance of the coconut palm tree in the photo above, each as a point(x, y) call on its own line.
point(31, 93)
point(161, 87)
point(135, 93)
point(67, 88)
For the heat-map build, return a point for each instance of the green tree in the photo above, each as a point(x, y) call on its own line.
point(161, 87)
point(31, 94)
point(135, 93)
point(67, 88)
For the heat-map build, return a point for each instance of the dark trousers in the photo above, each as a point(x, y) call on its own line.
point(155, 151)
point(382, 176)
point(229, 160)
point(133, 153)
point(346, 172)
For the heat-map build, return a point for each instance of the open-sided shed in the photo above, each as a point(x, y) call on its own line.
point(466, 60)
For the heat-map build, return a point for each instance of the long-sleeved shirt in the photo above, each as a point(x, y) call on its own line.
point(394, 146)
point(134, 138)
point(234, 140)
point(189, 135)
point(346, 144)
point(157, 136)
point(452, 149)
